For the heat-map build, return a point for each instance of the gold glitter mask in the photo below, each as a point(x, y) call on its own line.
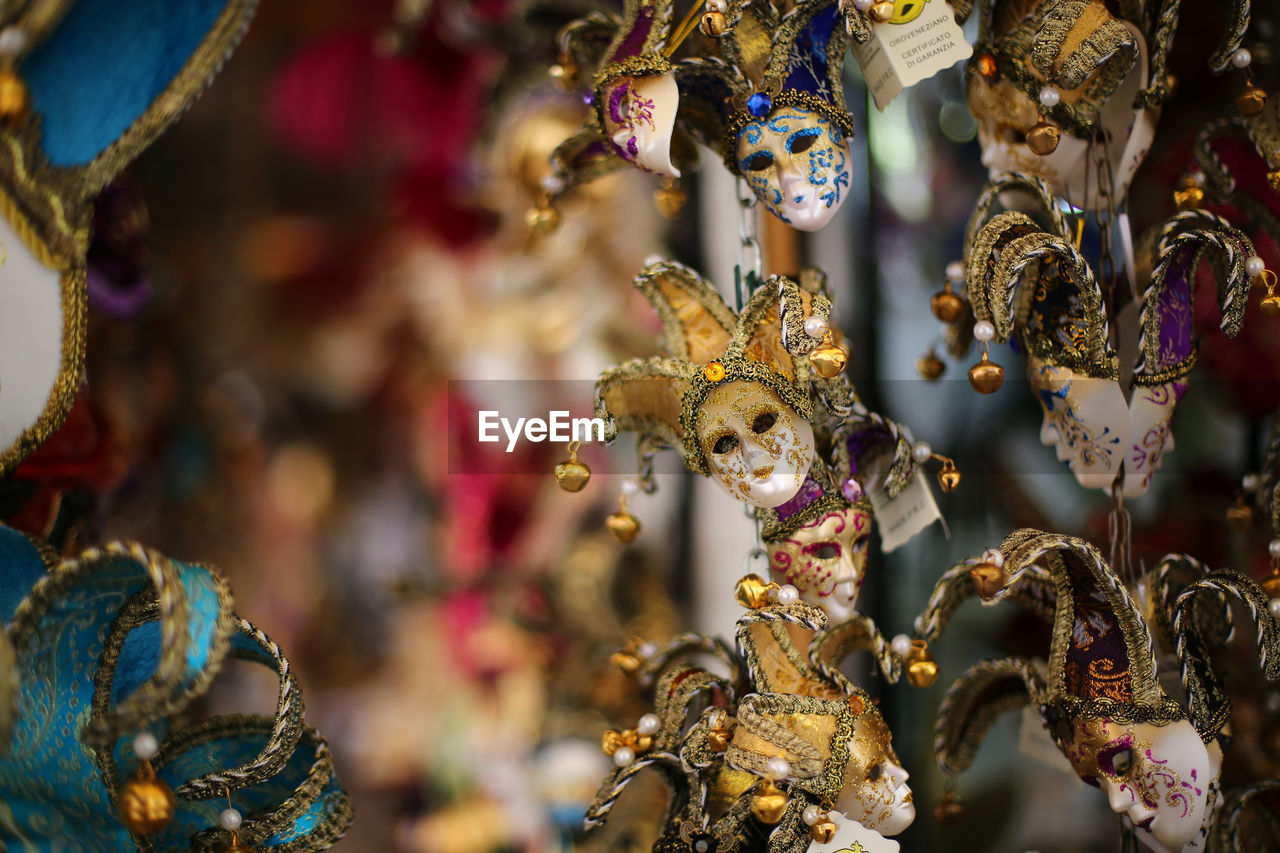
point(1163, 779)
point(875, 789)
point(757, 447)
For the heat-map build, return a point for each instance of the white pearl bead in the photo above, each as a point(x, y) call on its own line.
point(1197, 179)
point(12, 40)
point(624, 757)
point(788, 594)
point(718, 5)
point(647, 650)
point(230, 820)
point(1254, 265)
point(994, 557)
point(1241, 58)
point(815, 326)
point(1274, 606)
point(1049, 96)
point(777, 768)
point(983, 330)
point(955, 272)
point(1274, 548)
point(862, 5)
point(921, 452)
point(901, 645)
point(649, 724)
point(650, 260)
point(1251, 482)
point(811, 815)
point(630, 487)
point(145, 746)
point(552, 183)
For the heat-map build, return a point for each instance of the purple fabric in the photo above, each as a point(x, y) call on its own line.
point(809, 492)
point(1175, 310)
point(859, 441)
point(1097, 662)
point(633, 44)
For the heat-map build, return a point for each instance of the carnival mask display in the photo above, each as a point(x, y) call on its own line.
point(1086, 421)
point(826, 559)
point(875, 791)
point(1162, 779)
point(757, 447)
point(796, 162)
point(639, 116)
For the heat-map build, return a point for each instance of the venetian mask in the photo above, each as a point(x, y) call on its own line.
point(797, 164)
point(1086, 421)
point(826, 560)
point(757, 447)
point(1163, 779)
point(875, 792)
point(1150, 437)
point(639, 117)
point(1005, 113)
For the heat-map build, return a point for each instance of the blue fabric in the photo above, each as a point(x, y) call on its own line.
point(105, 64)
point(807, 69)
point(20, 567)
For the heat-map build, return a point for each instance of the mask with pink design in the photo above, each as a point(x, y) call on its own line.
point(1027, 281)
point(1157, 761)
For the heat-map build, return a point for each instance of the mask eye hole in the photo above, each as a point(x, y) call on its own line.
point(876, 771)
point(1122, 762)
point(758, 162)
point(1015, 136)
point(802, 141)
point(726, 443)
point(827, 551)
point(764, 422)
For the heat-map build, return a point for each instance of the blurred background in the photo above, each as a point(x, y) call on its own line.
point(311, 285)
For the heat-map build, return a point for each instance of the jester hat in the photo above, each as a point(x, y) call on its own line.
point(659, 397)
point(103, 79)
point(119, 641)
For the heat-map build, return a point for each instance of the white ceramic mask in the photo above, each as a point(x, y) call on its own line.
point(875, 791)
point(757, 447)
point(826, 560)
point(797, 164)
point(1086, 421)
point(31, 341)
point(1150, 437)
point(1005, 113)
point(1161, 778)
point(639, 117)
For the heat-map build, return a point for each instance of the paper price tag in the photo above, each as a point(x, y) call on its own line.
point(900, 518)
point(853, 837)
point(921, 39)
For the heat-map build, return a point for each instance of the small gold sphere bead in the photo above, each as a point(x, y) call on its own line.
point(949, 811)
point(986, 376)
point(1270, 305)
point(987, 579)
point(828, 358)
point(752, 592)
point(921, 669)
point(949, 476)
point(1043, 137)
point(769, 803)
point(14, 101)
point(714, 24)
point(1251, 101)
point(238, 846)
point(930, 367)
point(1189, 198)
point(624, 526)
point(1271, 585)
point(146, 804)
point(823, 832)
point(882, 11)
point(572, 475)
point(713, 372)
point(1273, 178)
point(947, 305)
point(1240, 515)
point(669, 199)
point(543, 220)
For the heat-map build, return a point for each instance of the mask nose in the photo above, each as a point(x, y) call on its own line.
point(1049, 435)
point(1122, 800)
point(793, 182)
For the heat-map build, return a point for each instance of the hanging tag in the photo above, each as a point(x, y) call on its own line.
point(853, 837)
point(900, 518)
point(921, 39)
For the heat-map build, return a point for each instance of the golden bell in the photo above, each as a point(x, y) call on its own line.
point(237, 846)
point(949, 476)
point(949, 810)
point(930, 367)
point(718, 739)
point(1270, 305)
point(1240, 515)
point(146, 804)
point(769, 803)
point(752, 592)
point(882, 11)
point(1189, 198)
point(1043, 138)
point(828, 359)
point(572, 475)
point(823, 831)
point(1273, 178)
point(543, 220)
point(947, 305)
point(1251, 100)
point(1271, 585)
point(987, 580)
point(624, 526)
point(921, 670)
point(14, 102)
point(611, 741)
point(565, 73)
point(986, 376)
point(714, 24)
point(669, 199)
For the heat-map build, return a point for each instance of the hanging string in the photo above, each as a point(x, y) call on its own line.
point(1119, 532)
point(684, 30)
point(747, 273)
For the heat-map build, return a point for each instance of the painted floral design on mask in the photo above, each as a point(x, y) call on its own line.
point(1086, 421)
point(1163, 779)
point(757, 447)
point(1150, 416)
point(826, 560)
point(875, 791)
point(639, 116)
point(797, 164)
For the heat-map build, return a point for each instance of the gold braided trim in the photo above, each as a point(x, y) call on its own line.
point(740, 118)
point(973, 703)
